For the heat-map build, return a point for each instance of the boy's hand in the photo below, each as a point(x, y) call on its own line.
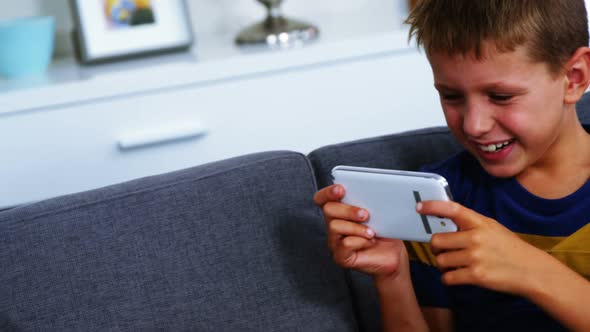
point(352, 243)
point(483, 252)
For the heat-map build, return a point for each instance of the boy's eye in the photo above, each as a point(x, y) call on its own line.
point(500, 97)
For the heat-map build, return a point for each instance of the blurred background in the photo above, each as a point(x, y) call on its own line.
point(223, 19)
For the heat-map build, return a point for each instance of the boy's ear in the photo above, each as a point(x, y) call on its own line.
point(578, 75)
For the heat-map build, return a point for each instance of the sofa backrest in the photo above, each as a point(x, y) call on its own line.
point(408, 151)
point(583, 109)
point(235, 245)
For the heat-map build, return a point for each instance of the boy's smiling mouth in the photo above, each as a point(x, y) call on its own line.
point(495, 147)
point(494, 152)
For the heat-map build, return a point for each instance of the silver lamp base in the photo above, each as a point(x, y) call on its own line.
point(278, 31)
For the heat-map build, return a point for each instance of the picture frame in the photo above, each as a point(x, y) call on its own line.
point(107, 30)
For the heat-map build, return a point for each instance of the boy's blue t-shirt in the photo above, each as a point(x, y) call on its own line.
point(549, 222)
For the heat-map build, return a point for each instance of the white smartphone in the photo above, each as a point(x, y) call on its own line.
point(391, 196)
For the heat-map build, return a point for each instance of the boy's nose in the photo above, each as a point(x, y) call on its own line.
point(477, 120)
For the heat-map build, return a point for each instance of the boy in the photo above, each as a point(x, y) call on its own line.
point(508, 73)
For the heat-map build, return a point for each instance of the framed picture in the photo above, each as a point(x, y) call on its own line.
point(112, 29)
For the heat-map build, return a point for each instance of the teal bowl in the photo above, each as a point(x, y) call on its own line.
point(26, 46)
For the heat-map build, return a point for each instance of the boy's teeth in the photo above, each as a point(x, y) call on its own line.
point(490, 148)
point(494, 147)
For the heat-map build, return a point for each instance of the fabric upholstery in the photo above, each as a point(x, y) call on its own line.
point(583, 109)
point(235, 245)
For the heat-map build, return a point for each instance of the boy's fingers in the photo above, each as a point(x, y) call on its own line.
point(463, 217)
point(355, 243)
point(453, 259)
point(336, 210)
point(451, 241)
point(339, 229)
point(463, 276)
point(346, 253)
point(329, 194)
point(347, 228)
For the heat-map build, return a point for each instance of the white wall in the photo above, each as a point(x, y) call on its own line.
point(212, 16)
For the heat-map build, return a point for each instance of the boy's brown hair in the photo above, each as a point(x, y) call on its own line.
point(552, 30)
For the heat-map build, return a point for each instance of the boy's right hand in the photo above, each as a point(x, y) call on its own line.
point(353, 244)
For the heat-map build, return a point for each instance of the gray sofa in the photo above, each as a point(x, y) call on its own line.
point(235, 245)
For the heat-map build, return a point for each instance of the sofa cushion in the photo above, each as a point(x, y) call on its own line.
point(235, 245)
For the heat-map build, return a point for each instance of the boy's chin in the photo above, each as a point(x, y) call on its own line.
point(501, 170)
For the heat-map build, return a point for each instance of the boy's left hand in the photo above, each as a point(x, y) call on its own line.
point(483, 252)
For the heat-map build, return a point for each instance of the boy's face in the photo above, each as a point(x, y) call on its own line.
point(505, 109)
